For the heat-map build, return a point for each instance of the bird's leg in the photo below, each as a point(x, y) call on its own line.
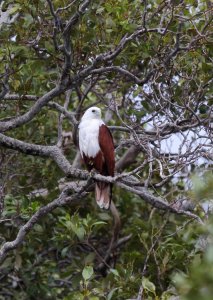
point(92, 172)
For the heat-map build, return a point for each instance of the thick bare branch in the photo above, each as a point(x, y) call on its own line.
point(55, 153)
point(75, 18)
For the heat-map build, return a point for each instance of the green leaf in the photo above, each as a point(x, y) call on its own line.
point(74, 296)
point(111, 293)
point(28, 20)
point(79, 231)
point(99, 10)
point(18, 262)
point(99, 223)
point(14, 9)
point(64, 251)
point(148, 285)
point(38, 228)
point(104, 216)
point(115, 272)
point(89, 258)
point(87, 272)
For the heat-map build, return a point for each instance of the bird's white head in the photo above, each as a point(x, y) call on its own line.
point(92, 113)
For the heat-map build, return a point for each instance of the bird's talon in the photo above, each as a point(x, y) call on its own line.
point(92, 173)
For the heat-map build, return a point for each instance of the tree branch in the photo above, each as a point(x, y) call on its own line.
point(62, 200)
point(123, 72)
point(33, 111)
point(55, 153)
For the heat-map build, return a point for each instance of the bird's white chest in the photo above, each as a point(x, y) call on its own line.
point(88, 137)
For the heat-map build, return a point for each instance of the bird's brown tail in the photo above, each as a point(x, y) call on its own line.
point(103, 194)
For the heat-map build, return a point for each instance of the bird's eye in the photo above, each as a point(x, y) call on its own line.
point(93, 110)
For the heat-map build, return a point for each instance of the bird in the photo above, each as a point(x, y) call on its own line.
point(97, 151)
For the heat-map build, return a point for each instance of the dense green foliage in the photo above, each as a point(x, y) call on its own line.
point(168, 254)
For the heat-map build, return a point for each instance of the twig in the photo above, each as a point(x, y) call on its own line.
point(157, 235)
point(62, 200)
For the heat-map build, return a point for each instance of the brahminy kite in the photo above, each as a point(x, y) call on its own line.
point(97, 150)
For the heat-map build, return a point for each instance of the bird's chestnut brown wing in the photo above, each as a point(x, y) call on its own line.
point(107, 148)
